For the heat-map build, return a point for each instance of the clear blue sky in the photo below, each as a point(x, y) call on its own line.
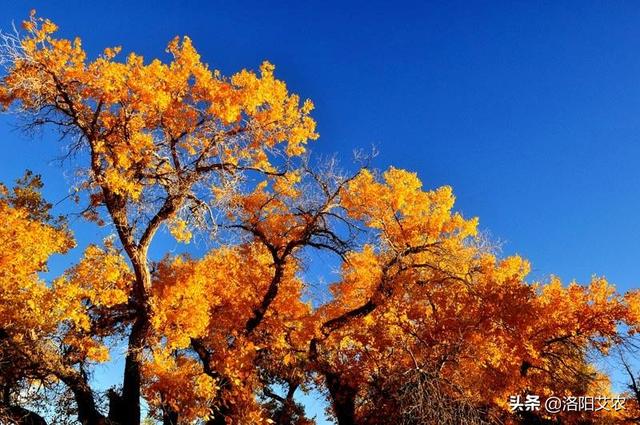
point(530, 110)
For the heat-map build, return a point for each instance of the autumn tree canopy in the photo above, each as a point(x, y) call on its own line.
point(424, 322)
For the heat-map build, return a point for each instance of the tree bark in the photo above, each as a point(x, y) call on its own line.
point(343, 398)
point(169, 417)
point(127, 409)
point(285, 415)
point(88, 413)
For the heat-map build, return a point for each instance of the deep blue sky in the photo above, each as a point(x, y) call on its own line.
point(530, 110)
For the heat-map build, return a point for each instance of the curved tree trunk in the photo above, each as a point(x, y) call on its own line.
point(88, 413)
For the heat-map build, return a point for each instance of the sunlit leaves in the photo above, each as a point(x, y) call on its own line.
point(151, 122)
point(175, 145)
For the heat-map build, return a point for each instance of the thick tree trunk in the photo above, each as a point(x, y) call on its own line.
point(88, 413)
point(343, 399)
point(126, 411)
point(127, 408)
point(169, 417)
point(285, 415)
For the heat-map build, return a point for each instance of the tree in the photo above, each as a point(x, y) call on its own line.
point(230, 337)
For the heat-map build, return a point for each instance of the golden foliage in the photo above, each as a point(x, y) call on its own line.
point(417, 292)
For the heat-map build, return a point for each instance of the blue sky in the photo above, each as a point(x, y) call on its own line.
point(530, 110)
